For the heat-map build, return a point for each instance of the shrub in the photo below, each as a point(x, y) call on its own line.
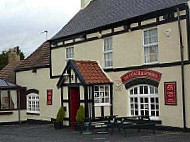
point(60, 115)
point(80, 114)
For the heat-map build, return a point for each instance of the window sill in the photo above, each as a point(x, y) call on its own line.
point(32, 113)
point(100, 105)
point(6, 113)
point(152, 63)
point(106, 68)
point(154, 118)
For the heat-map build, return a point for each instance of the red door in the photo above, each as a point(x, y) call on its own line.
point(74, 104)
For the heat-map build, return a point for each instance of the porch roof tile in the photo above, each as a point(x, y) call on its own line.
point(91, 72)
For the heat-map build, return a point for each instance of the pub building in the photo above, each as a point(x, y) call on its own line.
point(125, 58)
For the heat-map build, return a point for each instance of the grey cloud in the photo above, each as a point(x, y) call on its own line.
point(23, 28)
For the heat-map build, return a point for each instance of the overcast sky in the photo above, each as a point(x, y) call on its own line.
point(22, 21)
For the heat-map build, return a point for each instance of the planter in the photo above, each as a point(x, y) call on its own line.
point(58, 125)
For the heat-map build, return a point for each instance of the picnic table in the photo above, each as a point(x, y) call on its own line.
point(135, 122)
point(102, 123)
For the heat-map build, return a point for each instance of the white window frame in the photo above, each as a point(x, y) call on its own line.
point(103, 93)
point(149, 96)
point(66, 53)
point(149, 45)
point(33, 108)
point(108, 52)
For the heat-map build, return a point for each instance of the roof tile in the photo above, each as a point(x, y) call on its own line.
point(8, 72)
point(38, 58)
point(91, 72)
point(104, 12)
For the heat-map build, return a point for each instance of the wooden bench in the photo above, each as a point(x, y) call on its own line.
point(102, 123)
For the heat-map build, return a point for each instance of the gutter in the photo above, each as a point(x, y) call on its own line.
point(182, 69)
point(32, 68)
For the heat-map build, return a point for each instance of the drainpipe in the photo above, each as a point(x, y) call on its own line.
point(18, 93)
point(182, 69)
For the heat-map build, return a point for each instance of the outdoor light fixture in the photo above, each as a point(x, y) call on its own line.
point(66, 75)
point(127, 27)
point(99, 35)
point(83, 36)
point(168, 32)
point(34, 71)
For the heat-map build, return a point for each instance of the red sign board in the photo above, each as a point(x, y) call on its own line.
point(170, 93)
point(49, 97)
point(153, 75)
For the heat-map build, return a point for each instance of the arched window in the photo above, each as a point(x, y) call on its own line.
point(144, 101)
point(33, 103)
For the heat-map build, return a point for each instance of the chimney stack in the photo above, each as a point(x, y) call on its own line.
point(14, 54)
point(84, 3)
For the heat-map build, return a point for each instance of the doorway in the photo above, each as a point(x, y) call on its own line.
point(74, 104)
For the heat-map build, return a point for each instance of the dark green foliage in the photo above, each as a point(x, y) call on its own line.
point(80, 114)
point(3, 59)
point(60, 115)
point(22, 57)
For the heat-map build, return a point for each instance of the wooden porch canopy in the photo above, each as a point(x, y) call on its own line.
point(88, 72)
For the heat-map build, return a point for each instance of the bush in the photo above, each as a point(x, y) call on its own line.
point(80, 114)
point(60, 115)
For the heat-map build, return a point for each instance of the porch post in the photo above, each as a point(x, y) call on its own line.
point(111, 99)
point(62, 96)
point(93, 107)
point(86, 101)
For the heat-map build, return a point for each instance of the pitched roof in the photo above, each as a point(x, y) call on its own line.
point(7, 73)
point(88, 72)
point(104, 12)
point(39, 58)
point(91, 72)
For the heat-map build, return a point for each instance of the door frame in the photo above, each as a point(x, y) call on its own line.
point(69, 97)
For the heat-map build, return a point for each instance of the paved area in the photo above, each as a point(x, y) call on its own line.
point(47, 133)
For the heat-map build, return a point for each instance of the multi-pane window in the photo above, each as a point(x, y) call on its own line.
point(144, 101)
point(69, 53)
point(33, 103)
point(8, 100)
point(150, 46)
point(108, 52)
point(101, 94)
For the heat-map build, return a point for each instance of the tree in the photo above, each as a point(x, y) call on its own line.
point(22, 55)
point(4, 58)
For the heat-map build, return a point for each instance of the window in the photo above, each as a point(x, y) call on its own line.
point(150, 46)
point(69, 53)
point(8, 100)
point(108, 61)
point(101, 95)
point(33, 103)
point(144, 101)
